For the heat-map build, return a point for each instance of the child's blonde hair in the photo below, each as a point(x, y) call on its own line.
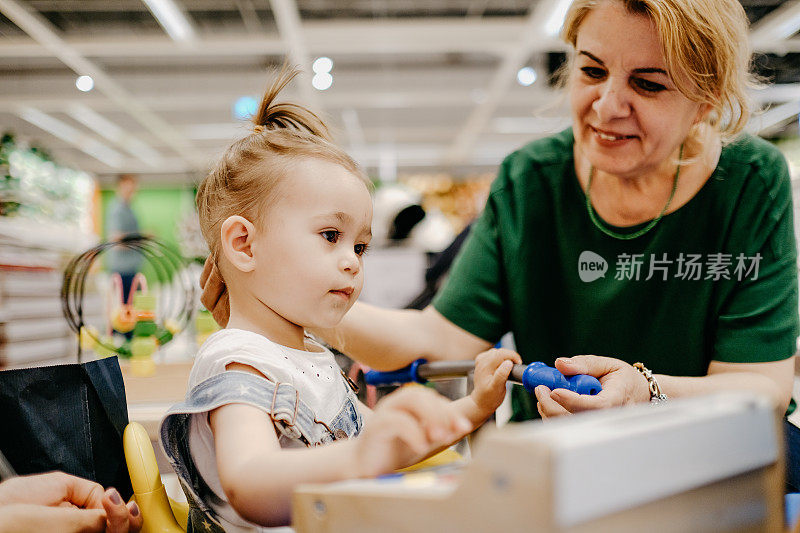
point(245, 179)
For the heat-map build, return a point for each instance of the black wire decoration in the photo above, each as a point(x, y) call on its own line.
point(167, 264)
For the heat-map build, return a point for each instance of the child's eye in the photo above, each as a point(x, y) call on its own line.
point(594, 72)
point(361, 249)
point(647, 85)
point(331, 235)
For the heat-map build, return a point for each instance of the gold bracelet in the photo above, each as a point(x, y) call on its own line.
point(656, 396)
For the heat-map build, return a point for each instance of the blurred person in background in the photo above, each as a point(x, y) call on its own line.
point(122, 221)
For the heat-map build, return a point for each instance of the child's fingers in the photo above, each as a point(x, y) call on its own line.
point(494, 358)
point(502, 372)
point(511, 355)
point(433, 412)
point(430, 412)
point(415, 436)
point(406, 429)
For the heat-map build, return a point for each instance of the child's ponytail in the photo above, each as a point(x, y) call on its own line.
point(286, 115)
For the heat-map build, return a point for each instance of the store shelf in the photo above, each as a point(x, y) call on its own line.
point(44, 236)
point(17, 353)
point(33, 330)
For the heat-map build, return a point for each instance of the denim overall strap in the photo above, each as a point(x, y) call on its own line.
point(281, 401)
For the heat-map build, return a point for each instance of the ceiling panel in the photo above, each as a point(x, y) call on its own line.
point(413, 78)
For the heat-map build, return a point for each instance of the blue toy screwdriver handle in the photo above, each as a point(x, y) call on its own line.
point(408, 374)
point(538, 373)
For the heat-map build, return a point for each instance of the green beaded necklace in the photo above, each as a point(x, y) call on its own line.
point(627, 236)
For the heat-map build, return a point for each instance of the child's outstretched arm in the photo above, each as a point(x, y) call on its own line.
point(258, 477)
point(492, 369)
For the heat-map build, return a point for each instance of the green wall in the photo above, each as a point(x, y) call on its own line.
point(158, 211)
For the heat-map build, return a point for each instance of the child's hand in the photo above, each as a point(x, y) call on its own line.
point(491, 372)
point(405, 427)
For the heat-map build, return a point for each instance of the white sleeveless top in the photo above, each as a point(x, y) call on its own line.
point(314, 374)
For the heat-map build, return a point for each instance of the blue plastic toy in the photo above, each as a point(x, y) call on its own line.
point(530, 376)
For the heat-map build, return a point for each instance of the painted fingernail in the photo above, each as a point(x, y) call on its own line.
point(134, 509)
point(115, 497)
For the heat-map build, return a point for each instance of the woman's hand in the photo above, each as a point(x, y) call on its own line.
point(492, 368)
point(405, 427)
point(622, 385)
point(215, 293)
point(60, 502)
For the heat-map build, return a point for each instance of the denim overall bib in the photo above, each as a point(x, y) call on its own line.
point(290, 415)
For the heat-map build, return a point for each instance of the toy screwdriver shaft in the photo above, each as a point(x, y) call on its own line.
point(442, 370)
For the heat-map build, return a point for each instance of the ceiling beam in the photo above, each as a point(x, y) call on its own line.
point(762, 123)
point(45, 34)
point(287, 18)
point(70, 135)
point(486, 36)
point(112, 132)
point(172, 19)
point(249, 16)
point(532, 36)
point(365, 98)
point(430, 36)
point(778, 25)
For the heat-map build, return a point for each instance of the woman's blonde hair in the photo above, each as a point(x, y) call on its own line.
point(706, 47)
point(245, 179)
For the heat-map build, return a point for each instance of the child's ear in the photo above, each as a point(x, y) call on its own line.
point(236, 237)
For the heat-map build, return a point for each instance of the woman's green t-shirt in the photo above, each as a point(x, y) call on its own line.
point(714, 280)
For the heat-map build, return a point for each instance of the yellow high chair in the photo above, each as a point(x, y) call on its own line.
point(160, 513)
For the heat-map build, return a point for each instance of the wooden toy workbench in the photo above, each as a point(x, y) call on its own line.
point(713, 463)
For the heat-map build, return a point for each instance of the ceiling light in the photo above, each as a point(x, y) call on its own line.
point(322, 81)
point(526, 76)
point(84, 83)
point(245, 108)
point(322, 65)
point(172, 19)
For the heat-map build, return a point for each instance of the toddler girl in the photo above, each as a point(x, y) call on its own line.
point(287, 218)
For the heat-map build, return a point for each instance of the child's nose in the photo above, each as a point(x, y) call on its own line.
point(349, 263)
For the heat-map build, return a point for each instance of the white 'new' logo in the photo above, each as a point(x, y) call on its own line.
point(591, 266)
